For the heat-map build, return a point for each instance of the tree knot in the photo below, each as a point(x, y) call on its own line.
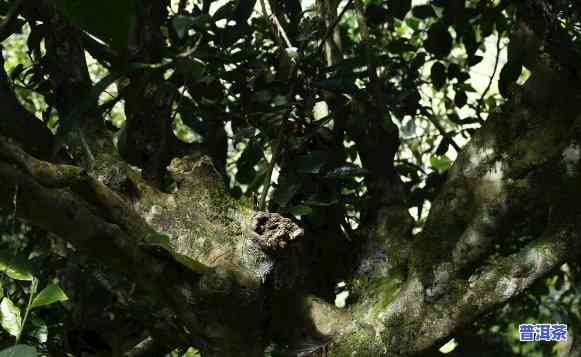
point(273, 231)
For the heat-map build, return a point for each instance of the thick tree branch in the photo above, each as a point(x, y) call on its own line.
point(91, 217)
point(208, 273)
point(521, 167)
point(499, 281)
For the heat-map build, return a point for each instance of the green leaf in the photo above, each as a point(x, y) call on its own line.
point(460, 98)
point(245, 174)
point(201, 22)
point(454, 70)
point(469, 39)
point(400, 8)
point(301, 210)
point(322, 202)
point(287, 187)
point(423, 11)
point(16, 267)
point(440, 163)
point(244, 10)
point(49, 295)
point(10, 317)
point(455, 11)
point(439, 41)
point(252, 154)
point(400, 46)
point(37, 34)
point(438, 75)
point(39, 330)
point(443, 147)
point(474, 60)
point(182, 24)
point(347, 171)
point(19, 351)
point(110, 20)
point(312, 162)
point(508, 76)
point(413, 23)
point(258, 179)
point(191, 68)
point(338, 85)
point(225, 12)
point(229, 35)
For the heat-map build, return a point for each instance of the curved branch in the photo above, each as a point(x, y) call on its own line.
point(97, 222)
point(17, 123)
point(499, 281)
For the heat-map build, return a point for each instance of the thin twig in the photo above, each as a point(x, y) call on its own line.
point(496, 61)
point(440, 128)
point(275, 153)
point(277, 27)
point(15, 203)
point(411, 164)
point(332, 27)
point(182, 6)
point(277, 148)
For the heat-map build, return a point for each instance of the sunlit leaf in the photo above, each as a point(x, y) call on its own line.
point(10, 318)
point(16, 267)
point(440, 163)
point(192, 352)
point(50, 294)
